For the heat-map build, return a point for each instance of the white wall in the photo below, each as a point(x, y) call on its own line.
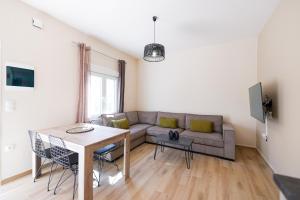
point(278, 70)
point(205, 80)
point(53, 101)
point(0, 110)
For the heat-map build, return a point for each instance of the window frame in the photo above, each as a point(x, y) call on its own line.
point(104, 78)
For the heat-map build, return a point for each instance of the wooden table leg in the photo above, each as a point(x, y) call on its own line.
point(85, 175)
point(127, 156)
point(36, 164)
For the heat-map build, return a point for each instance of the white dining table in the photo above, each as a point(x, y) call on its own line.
point(85, 144)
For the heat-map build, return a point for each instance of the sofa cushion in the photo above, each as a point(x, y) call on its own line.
point(106, 149)
point(211, 139)
point(179, 116)
point(201, 125)
point(156, 130)
point(216, 119)
point(120, 123)
point(107, 118)
point(147, 117)
point(138, 130)
point(168, 122)
point(132, 117)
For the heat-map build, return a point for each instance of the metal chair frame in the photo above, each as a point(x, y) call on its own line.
point(38, 147)
point(102, 158)
point(61, 156)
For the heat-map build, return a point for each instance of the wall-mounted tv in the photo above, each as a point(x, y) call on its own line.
point(256, 102)
point(19, 76)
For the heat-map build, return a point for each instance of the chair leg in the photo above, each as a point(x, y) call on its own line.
point(96, 177)
point(116, 165)
point(74, 186)
point(59, 181)
point(100, 161)
point(102, 167)
point(39, 170)
point(50, 176)
point(99, 171)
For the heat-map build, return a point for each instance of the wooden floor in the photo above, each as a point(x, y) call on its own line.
point(167, 178)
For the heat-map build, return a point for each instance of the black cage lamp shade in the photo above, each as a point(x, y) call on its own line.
point(154, 52)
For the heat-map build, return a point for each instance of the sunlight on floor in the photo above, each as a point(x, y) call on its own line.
point(114, 179)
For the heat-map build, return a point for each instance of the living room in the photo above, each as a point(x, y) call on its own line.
point(89, 61)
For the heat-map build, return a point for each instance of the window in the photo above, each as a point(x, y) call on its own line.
point(102, 95)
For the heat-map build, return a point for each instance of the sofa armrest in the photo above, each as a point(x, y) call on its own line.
point(229, 141)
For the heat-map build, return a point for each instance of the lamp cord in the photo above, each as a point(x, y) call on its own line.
point(154, 31)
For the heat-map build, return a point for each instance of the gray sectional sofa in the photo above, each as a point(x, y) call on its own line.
point(144, 127)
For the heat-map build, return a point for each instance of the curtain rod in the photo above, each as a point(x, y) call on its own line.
point(113, 58)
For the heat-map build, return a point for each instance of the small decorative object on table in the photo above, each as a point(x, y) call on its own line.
point(80, 129)
point(174, 135)
point(163, 140)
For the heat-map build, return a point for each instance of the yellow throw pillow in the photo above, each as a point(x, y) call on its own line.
point(167, 122)
point(120, 123)
point(199, 125)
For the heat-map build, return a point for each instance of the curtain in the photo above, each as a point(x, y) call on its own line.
point(121, 86)
point(85, 53)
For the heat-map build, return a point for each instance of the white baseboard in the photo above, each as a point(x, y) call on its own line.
point(266, 160)
point(20, 175)
point(260, 153)
point(245, 145)
point(281, 196)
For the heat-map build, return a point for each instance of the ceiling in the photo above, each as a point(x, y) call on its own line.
point(127, 24)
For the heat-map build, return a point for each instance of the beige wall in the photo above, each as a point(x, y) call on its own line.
point(0, 112)
point(279, 72)
point(207, 80)
point(53, 101)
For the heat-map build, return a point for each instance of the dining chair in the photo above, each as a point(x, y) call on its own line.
point(38, 147)
point(65, 158)
point(101, 156)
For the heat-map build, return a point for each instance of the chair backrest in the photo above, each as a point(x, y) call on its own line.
point(37, 145)
point(58, 151)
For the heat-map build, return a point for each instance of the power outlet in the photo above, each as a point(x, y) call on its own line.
point(37, 23)
point(264, 136)
point(9, 147)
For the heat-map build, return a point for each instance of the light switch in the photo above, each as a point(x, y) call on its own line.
point(10, 105)
point(9, 147)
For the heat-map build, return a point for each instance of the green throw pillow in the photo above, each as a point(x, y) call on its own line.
point(120, 123)
point(199, 125)
point(167, 122)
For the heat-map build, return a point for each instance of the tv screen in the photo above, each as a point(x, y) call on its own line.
point(19, 77)
point(256, 102)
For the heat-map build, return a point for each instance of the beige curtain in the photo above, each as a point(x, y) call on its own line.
point(85, 54)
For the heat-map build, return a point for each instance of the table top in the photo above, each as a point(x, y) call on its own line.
point(184, 141)
point(99, 134)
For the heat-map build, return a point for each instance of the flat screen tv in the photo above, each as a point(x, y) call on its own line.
point(19, 76)
point(256, 102)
